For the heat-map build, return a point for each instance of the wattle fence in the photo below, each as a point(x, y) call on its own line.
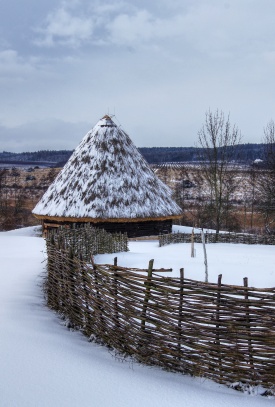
point(220, 238)
point(217, 331)
point(86, 241)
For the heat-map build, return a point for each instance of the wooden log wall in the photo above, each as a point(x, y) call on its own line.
point(221, 332)
point(220, 238)
point(148, 227)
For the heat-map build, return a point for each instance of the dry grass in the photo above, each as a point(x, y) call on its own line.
point(32, 191)
point(20, 190)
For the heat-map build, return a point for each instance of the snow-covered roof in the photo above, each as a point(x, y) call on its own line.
point(107, 178)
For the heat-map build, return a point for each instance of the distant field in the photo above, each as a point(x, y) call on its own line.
point(27, 164)
point(20, 189)
point(25, 184)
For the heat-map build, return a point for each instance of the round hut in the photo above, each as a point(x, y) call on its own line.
point(107, 183)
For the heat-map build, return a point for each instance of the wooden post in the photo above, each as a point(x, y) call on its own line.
point(51, 278)
point(98, 314)
point(71, 275)
point(250, 348)
point(205, 256)
point(217, 342)
point(180, 311)
point(87, 313)
point(192, 244)
point(61, 271)
point(116, 318)
point(147, 294)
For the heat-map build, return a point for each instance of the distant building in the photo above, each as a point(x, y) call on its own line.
point(258, 161)
point(107, 183)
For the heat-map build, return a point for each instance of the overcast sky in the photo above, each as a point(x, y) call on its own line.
point(158, 65)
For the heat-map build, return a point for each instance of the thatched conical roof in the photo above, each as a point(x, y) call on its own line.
point(107, 178)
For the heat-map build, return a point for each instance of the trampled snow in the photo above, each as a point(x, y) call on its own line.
point(43, 364)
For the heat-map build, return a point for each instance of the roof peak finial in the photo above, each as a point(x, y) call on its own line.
point(107, 117)
point(107, 121)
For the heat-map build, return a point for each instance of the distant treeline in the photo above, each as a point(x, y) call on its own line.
point(244, 153)
point(54, 157)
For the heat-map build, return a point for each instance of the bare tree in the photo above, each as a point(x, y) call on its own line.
point(269, 145)
point(217, 140)
point(266, 186)
point(181, 192)
point(3, 189)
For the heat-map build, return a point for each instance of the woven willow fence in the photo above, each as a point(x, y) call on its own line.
point(221, 332)
point(86, 241)
point(220, 238)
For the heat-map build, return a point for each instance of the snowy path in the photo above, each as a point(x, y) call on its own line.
point(44, 364)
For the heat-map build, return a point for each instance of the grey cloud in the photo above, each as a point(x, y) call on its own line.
point(48, 134)
point(13, 66)
point(224, 31)
point(63, 28)
point(160, 65)
point(121, 23)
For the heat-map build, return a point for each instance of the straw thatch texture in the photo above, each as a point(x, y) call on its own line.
point(107, 178)
point(225, 333)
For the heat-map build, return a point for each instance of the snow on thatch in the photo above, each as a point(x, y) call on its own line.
point(107, 178)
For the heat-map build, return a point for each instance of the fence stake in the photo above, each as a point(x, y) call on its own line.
point(180, 310)
point(205, 256)
point(98, 303)
point(51, 279)
point(72, 289)
point(218, 324)
point(147, 294)
point(116, 320)
point(87, 312)
point(250, 349)
point(192, 244)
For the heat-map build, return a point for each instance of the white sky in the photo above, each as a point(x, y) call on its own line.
point(158, 65)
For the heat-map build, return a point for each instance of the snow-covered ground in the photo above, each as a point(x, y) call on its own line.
point(42, 363)
point(233, 261)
